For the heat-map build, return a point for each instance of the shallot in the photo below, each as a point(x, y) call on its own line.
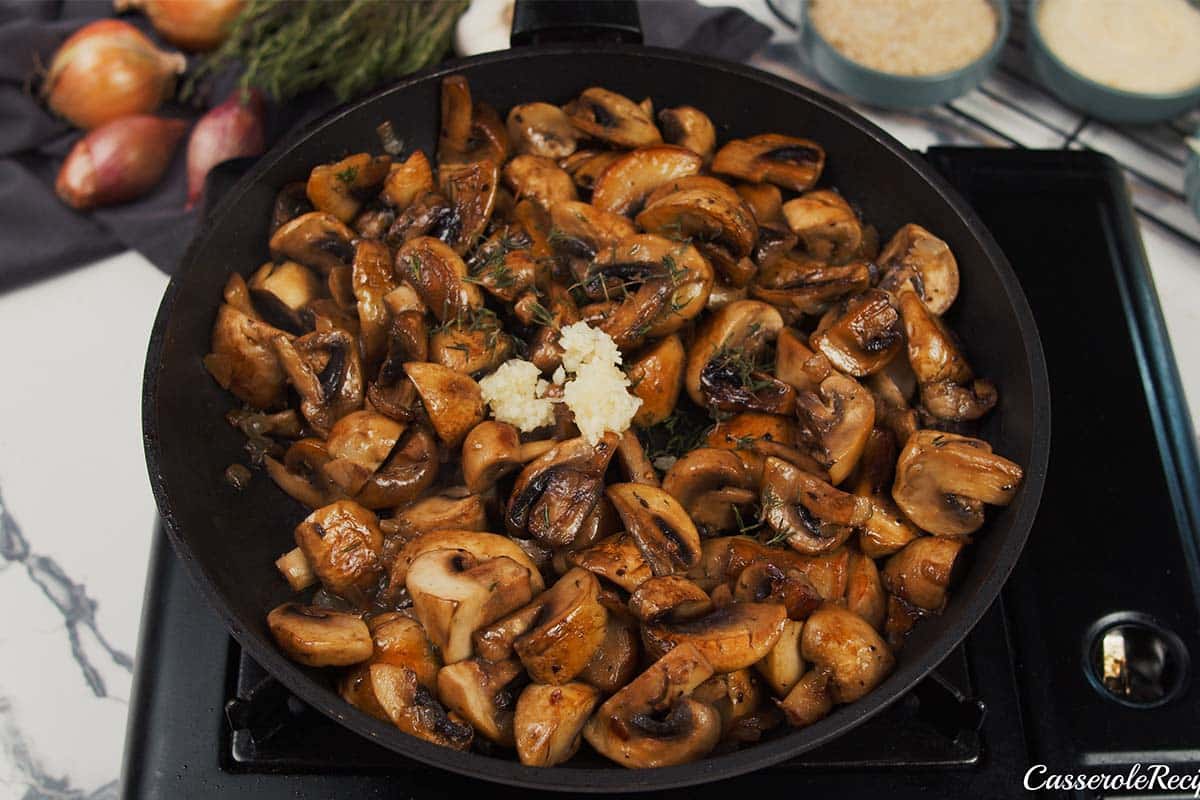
point(233, 129)
point(195, 25)
point(118, 161)
point(109, 69)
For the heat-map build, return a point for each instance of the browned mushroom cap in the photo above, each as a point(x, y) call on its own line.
point(549, 722)
point(917, 257)
point(612, 118)
point(554, 494)
point(408, 472)
point(341, 188)
point(541, 129)
point(717, 220)
point(943, 480)
point(658, 524)
point(372, 281)
point(864, 591)
point(805, 286)
point(439, 276)
point(835, 422)
point(689, 127)
point(632, 459)
point(783, 666)
point(735, 695)
point(300, 474)
point(412, 708)
point(887, 530)
point(484, 693)
point(785, 161)
point(494, 449)
point(316, 240)
point(656, 376)
point(320, 637)
point(921, 572)
point(797, 364)
point(540, 179)
point(324, 368)
point(809, 700)
point(358, 444)
point(399, 641)
point(429, 214)
point(949, 389)
point(473, 345)
point(452, 400)
point(489, 135)
point(845, 646)
point(617, 559)
point(814, 516)
point(892, 388)
point(733, 637)
point(290, 202)
point(438, 513)
point(471, 189)
point(764, 582)
point(670, 597)
point(864, 337)
point(754, 435)
point(243, 359)
point(342, 543)
point(626, 183)
point(455, 594)
point(282, 291)
point(827, 225)
point(407, 181)
point(711, 484)
point(504, 265)
point(455, 132)
point(407, 340)
point(722, 372)
point(569, 626)
point(585, 166)
point(652, 722)
point(766, 201)
point(615, 661)
point(581, 230)
point(483, 546)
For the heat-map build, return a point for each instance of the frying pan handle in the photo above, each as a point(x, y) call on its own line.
point(591, 21)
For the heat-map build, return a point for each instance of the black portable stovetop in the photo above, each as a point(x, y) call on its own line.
point(1081, 668)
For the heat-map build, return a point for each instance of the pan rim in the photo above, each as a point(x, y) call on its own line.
point(613, 779)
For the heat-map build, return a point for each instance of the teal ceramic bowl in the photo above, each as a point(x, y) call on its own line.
point(886, 90)
point(1096, 99)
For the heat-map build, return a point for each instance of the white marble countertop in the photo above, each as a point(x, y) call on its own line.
point(76, 514)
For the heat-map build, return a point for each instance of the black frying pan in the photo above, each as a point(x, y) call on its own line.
point(228, 540)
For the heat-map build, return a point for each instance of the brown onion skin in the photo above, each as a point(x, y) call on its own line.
point(109, 69)
point(119, 161)
point(233, 129)
point(194, 25)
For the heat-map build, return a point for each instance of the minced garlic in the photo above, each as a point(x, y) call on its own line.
point(516, 394)
point(583, 344)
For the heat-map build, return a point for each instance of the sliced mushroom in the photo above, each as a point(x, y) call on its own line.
point(892, 388)
point(317, 239)
point(863, 338)
point(921, 572)
point(689, 127)
point(785, 161)
point(358, 444)
point(400, 642)
point(711, 484)
point(887, 530)
point(783, 666)
point(325, 370)
point(569, 626)
point(814, 516)
point(406, 474)
point(635, 465)
point(471, 189)
point(844, 645)
point(717, 220)
point(438, 513)
point(290, 202)
point(504, 265)
point(943, 480)
point(917, 257)
point(483, 546)
point(797, 364)
point(341, 188)
point(485, 694)
point(453, 400)
point(827, 225)
point(656, 377)
point(809, 700)
point(617, 559)
point(764, 582)
point(372, 281)
point(722, 372)
point(766, 201)
point(540, 179)
point(343, 544)
point(730, 638)
point(296, 570)
point(439, 276)
point(671, 597)
point(471, 346)
point(735, 695)
point(429, 214)
point(626, 183)
point(949, 389)
point(243, 359)
point(554, 494)
point(407, 181)
point(541, 129)
point(549, 722)
point(754, 435)
point(582, 231)
point(615, 661)
point(494, 449)
point(804, 286)
point(612, 118)
point(661, 528)
point(864, 591)
point(413, 709)
point(652, 722)
point(835, 422)
point(282, 291)
point(585, 166)
point(301, 473)
point(455, 594)
point(320, 637)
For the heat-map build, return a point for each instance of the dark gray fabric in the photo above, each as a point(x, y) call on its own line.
point(40, 236)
